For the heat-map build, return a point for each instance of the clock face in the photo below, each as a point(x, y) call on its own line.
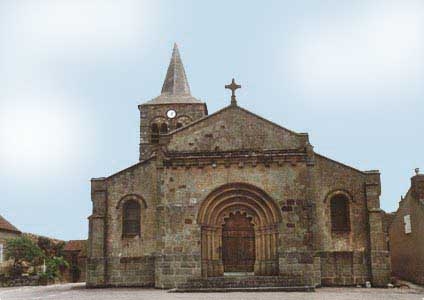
point(171, 113)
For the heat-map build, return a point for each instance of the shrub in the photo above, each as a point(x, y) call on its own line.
point(21, 250)
point(53, 265)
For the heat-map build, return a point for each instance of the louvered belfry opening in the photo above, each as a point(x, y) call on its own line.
point(163, 128)
point(154, 134)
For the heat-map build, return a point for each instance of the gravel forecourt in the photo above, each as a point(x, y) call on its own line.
point(78, 291)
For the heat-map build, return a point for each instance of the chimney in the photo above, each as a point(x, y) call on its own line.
point(417, 185)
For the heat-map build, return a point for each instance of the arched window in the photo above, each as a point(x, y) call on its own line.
point(131, 219)
point(340, 220)
point(154, 134)
point(179, 125)
point(163, 128)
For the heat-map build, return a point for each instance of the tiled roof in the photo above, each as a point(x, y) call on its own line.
point(176, 80)
point(6, 226)
point(172, 99)
point(175, 87)
point(75, 245)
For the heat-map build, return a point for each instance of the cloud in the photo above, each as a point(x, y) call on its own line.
point(377, 52)
point(43, 44)
point(40, 134)
point(99, 24)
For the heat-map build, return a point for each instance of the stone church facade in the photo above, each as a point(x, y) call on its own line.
point(231, 193)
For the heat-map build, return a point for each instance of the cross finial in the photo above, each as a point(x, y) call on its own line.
point(233, 87)
point(417, 171)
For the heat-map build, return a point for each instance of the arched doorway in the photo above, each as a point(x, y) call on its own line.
point(237, 215)
point(238, 243)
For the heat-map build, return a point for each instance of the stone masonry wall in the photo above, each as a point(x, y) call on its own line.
point(96, 254)
point(184, 190)
point(407, 250)
point(379, 253)
point(113, 259)
point(235, 129)
point(131, 260)
point(4, 236)
point(194, 161)
point(150, 114)
point(344, 255)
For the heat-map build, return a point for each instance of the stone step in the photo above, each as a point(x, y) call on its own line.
point(231, 282)
point(245, 289)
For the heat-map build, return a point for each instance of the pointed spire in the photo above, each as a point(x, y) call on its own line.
point(176, 80)
point(175, 88)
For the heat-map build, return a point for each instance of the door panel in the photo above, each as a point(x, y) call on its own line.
point(238, 244)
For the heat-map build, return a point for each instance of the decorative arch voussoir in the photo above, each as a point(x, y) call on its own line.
point(234, 206)
point(247, 195)
point(337, 192)
point(135, 197)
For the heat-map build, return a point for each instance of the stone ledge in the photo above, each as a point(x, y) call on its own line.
point(244, 289)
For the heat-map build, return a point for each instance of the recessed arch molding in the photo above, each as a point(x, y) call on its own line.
point(135, 197)
point(251, 201)
point(338, 192)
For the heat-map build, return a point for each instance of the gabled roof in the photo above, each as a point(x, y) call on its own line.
point(147, 160)
point(75, 245)
point(7, 226)
point(233, 128)
point(171, 99)
point(232, 107)
point(175, 87)
point(339, 163)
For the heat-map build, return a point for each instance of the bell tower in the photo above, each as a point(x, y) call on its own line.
point(174, 108)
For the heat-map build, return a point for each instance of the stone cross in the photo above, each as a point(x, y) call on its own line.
point(417, 171)
point(233, 87)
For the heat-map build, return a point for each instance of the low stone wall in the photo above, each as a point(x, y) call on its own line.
point(172, 270)
point(344, 268)
point(132, 271)
point(121, 272)
point(22, 281)
point(302, 268)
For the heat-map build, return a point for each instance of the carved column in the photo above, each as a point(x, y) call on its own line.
point(205, 251)
point(211, 257)
point(258, 252)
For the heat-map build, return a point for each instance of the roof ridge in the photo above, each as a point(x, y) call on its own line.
point(236, 107)
point(6, 225)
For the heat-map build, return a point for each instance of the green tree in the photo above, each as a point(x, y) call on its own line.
point(22, 249)
point(58, 248)
point(53, 265)
point(50, 248)
point(45, 244)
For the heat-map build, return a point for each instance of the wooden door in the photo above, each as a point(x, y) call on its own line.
point(238, 244)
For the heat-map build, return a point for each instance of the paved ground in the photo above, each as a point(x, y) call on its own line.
point(78, 291)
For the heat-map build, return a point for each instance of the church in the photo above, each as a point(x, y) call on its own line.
point(230, 199)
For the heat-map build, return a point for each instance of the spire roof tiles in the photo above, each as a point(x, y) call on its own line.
point(175, 87)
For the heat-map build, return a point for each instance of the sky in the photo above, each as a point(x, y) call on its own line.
point(72, 73)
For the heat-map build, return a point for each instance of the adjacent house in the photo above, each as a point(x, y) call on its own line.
point(75, 253)
point(406, 234)
point(7, 231)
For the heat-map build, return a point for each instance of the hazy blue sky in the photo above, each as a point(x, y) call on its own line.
point(350, 73)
